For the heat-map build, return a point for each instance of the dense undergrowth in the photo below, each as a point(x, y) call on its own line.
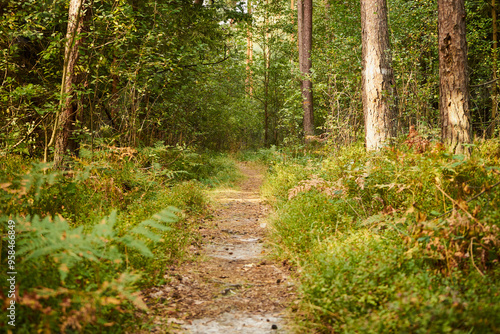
point(390, 242)
point(90, 237)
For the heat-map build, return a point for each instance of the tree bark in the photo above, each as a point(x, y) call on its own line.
point(249, 60)
point(378, 94)
point(494, 87)
point(305, 8)
point(64, 123)
point(454, 85)
point(266, 57)
point(300, 23)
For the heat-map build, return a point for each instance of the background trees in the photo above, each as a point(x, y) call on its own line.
point(175, 72)
point(147, 72)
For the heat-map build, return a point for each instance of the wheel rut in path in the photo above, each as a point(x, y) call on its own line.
point(233, 287)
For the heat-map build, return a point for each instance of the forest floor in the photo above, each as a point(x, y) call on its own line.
point(233, 286)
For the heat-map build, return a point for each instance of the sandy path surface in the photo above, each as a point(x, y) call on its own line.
point(233, 287)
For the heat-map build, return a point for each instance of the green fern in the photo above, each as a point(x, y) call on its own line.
point(69, 246)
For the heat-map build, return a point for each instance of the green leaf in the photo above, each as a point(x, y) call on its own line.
point(147, 233)
point(138, 245)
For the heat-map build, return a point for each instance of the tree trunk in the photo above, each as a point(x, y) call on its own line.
point(63, 127)
point(266, 57)
point(494, 87)
point(305, 44)
point(249, 60)
point(454, 86)
point(378, 95)
point(300, 23)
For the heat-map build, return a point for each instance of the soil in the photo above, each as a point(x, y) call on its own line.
point(233, 287)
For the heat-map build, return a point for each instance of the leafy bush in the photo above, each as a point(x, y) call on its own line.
point(304, 220)
point(392, 241)
point(184, 163)
point(85, 270)
point(77, 279)
point(364, 282)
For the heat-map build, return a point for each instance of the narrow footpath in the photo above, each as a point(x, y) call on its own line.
point(233, 287)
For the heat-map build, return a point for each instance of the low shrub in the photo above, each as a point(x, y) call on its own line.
point(302, 221)
point(365, 282)
point(84, 271)
point(392, 241)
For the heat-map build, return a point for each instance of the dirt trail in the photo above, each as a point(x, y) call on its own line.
point(233, 288)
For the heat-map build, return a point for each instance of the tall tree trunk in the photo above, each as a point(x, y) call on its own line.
point(378, 94)
point(300, 24)
point(249, 60)
point(494, 87)
point(63, 126)
point(454, 85)
point(266, 78)
point(305, 8)
point(292, 8)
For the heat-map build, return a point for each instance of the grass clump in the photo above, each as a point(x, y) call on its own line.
point(393, 241)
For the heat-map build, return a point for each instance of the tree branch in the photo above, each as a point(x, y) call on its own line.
point(205, 64)
point(485, 83)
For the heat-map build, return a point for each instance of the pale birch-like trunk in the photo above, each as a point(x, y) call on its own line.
point(249, 60)
point(63, 126)
point(378, 95)
point(454, 85)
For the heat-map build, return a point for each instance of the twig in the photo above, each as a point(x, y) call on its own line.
point(482, 192)
point(485, 83)
point(458, 205)
point(27, 135)
point(472, 258)
point(205, 64)
point(469, 200)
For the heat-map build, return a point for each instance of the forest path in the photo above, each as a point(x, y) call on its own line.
point(233, 287)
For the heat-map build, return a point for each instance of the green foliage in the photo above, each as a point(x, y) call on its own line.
point(184, 163)
point(85, 270)
point(364, 282)
point(303, 221)
point(147, 71)
point(393, 241)
point(81, 279)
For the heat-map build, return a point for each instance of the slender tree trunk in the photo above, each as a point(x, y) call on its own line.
point(300, 24)
point(266, 79)
point(454, 85)
point(266, 108)
point(494, 87)
point(249, 60)
point(292, 18)
point(63, 127)
point(378, 78)
point(305, 44)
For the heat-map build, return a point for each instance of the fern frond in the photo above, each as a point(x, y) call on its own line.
point(136, 244)
point(147, 233)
